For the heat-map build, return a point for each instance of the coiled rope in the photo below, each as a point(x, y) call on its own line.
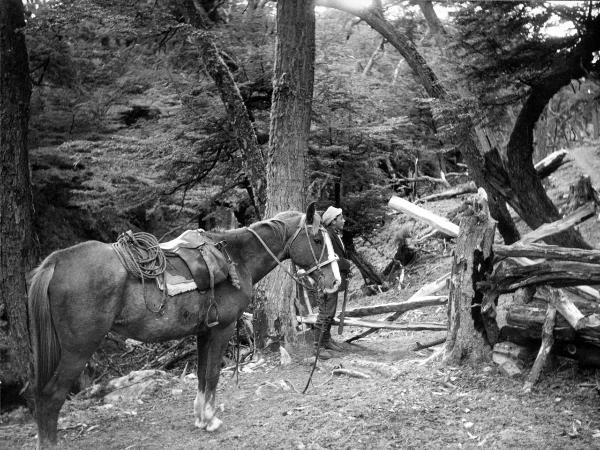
point(140, 254)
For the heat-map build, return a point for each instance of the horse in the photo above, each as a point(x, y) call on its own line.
point(78, 294)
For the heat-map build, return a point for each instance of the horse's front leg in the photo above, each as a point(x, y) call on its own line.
point(211, 348)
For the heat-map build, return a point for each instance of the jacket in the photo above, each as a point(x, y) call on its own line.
point(340, 250)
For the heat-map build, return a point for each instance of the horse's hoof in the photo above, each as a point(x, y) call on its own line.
point(214, 424)
point(200, 424)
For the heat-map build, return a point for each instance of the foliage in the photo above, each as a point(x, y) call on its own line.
point(508, 47)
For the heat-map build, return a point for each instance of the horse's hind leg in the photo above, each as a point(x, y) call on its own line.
point(209, 371)
point(202, 342)
point(52, 397)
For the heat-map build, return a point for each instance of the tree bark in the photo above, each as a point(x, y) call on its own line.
point(472, 260)
point(17, 240)
point(288, 148)
point(252, 157)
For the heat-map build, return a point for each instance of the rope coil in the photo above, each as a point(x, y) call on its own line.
point(140, 254)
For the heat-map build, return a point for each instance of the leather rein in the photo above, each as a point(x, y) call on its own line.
point(318, 265)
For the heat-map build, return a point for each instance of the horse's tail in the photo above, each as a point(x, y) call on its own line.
point(44, 340)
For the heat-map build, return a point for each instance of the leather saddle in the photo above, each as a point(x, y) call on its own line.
point(206, 260)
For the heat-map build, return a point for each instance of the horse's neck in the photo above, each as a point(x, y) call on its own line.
point(245, 249)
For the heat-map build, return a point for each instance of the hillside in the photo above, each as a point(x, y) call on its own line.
point(402, 402)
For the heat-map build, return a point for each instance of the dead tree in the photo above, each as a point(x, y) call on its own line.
point(472, 261)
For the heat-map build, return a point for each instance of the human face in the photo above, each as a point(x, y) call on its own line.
point(338, 223)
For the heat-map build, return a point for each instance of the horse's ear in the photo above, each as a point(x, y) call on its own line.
point(312, 217)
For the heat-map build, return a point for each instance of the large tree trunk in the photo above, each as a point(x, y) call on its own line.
point(288, 149)
point(252, 158)
point(466, 340)
point(17, 243)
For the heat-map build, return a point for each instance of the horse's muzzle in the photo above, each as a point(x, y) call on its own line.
point(332, 289)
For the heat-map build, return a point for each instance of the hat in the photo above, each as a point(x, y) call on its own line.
point(330, 215)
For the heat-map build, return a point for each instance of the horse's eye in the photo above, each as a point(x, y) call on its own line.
point(318, 240)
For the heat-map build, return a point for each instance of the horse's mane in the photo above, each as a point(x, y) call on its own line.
point(277, 223)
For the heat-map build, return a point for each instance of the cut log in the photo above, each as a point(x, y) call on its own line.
point(585, 353)
point(569, 311)
point(529, 321)
point(545, 348)
point(550, 163)
point(437, 222)
point(401, 307)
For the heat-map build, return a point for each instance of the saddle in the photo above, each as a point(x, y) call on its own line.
point(196, 255)
point(206, 260)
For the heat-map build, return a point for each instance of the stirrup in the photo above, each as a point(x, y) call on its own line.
point(216, 321)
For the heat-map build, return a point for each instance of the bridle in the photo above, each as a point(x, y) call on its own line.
point(302, 273)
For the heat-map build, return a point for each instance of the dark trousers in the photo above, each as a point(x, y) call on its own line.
point(327, 308)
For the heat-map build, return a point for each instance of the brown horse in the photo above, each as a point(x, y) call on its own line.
point(80, 293)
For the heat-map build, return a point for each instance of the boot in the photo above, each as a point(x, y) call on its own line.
point(328, 342)
point(332, 345)
point(323, 354)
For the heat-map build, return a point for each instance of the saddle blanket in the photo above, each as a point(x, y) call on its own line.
point(175, 284)
point(177, 278)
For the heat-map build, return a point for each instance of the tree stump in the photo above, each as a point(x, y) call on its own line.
point(472, 262)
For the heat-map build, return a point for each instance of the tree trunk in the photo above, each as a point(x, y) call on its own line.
point(252, 158)
point(288, 149)
point(536, 207)
point(472, 261)
point(17, 242)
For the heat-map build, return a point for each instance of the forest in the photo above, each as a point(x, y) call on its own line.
point(461, 140)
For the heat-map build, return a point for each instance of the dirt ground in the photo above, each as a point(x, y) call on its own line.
point(404, 400)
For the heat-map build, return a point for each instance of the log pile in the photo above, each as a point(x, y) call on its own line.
point(565, 319)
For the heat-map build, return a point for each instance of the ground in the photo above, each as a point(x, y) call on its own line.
point(405, 400)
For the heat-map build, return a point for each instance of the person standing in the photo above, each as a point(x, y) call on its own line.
point(333, 219)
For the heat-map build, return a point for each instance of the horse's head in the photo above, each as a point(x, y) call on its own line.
point(310, 249)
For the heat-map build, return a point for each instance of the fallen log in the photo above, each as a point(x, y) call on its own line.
point(400, 307)
point(467, 188)
point(437, 222)
point(428, 289)
point(545, 251)
point(352, 322)
point(558, 274)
